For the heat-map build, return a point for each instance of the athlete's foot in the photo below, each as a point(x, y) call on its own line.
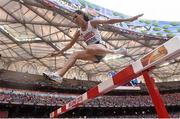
point(122, 51)
point(53, 76)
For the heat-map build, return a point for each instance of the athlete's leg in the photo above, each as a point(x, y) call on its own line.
point(83, 55)
point(99, 49)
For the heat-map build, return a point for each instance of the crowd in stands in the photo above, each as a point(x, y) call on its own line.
point(172, 115)
point(25, 97)
point(47, 99)
point(53, 99)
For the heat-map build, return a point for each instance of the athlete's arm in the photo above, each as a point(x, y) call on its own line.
point(75, 38)
point(68, 46)
point(113, 21)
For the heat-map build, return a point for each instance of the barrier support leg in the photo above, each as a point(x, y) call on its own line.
point(155, 96)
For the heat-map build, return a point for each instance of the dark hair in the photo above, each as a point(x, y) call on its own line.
point(85, 16)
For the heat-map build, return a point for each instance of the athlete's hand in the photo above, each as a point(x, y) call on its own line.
point(135, 17)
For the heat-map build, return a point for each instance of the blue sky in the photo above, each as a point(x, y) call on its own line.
point(165, 10)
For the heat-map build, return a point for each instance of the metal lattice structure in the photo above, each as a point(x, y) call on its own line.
point(30, 30)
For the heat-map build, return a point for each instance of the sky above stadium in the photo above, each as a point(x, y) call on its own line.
point(164, 10)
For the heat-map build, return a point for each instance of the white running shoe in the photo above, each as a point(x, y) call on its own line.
point(53, 76)
point(122, 51)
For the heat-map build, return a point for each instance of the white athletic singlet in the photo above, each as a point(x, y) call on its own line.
point(91, 35)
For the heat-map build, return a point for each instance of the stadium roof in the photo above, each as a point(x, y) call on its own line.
point(31, 30)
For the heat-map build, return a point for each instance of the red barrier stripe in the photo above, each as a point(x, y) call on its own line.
point(55, 113)
point(63, 109)
point(124, 76)
point(93, 92)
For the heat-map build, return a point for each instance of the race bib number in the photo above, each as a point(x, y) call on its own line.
point(88, 36)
